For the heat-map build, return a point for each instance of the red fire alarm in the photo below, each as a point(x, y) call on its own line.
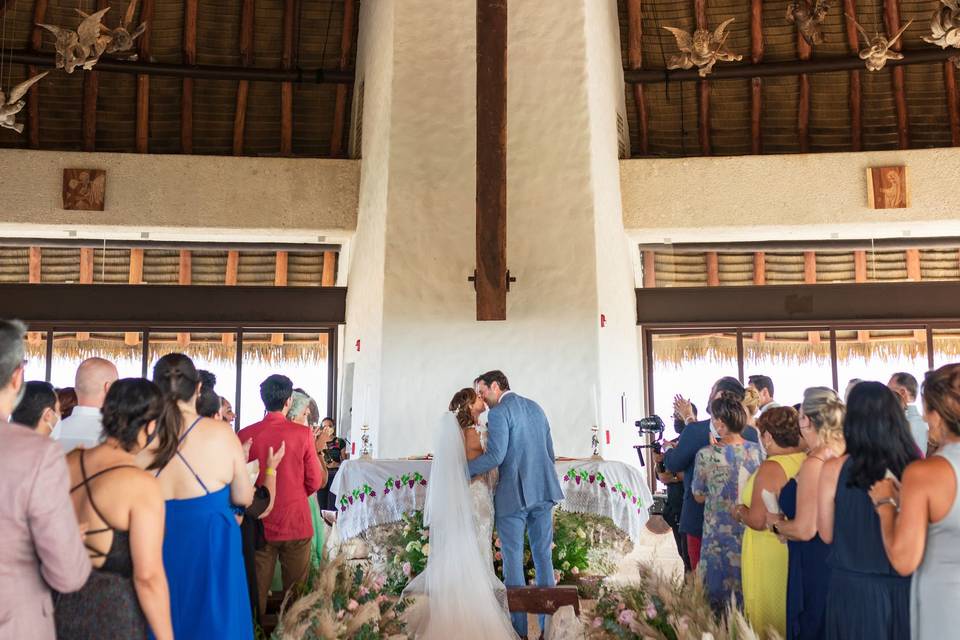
point(358, 345)
point(603, 320)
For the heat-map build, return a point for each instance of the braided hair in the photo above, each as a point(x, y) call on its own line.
point(460, 406)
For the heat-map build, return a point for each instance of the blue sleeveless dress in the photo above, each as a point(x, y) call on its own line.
point(203, 558)
point(808, 577)
point(867, 599)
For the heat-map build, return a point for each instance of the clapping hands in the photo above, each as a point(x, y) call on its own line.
point(683, 408)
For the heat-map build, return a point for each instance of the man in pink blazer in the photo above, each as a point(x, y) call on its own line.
point(42, 547)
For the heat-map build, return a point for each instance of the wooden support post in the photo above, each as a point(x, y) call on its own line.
point(243, 86)
point(340, 102)
point(132, 338)
point(759, 278)
point(33, 276)
point(713, 269)
point(286, 89)
point(86, 277)
point(280, 280)
point(804, 52)
point(143, 81)
point(91, 89)
point(189, 57)
point(860, 275)
point(230, 279)
point(33, 95)
point(950, 84)
point(491, 276)
point(185, 279)
point(649, 269)
point(856, 110)
point(635, 61)
point(329, 276)
point(915, 274)
point(756, 85)
point(703, 87)
point(891, 18)
point(810, 277)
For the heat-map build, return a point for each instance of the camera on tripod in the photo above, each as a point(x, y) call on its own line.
point(651, 427)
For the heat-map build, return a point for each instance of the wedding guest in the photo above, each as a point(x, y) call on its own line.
point(764, 387)
point(203, 474)
point(867, 599)
point(122, 504)
point(673, 505)
point(226, 411)
point(682, 458)
point(763, 556)
point(751, 403)
point(904, 386)
point(919, 520)
point(288, 528)
point(821, 426)
point(39, 409)
point(850, 385)
point(715, 483)
point(208, 402)
point(300, 412)
point(334, 453)
point(83, 427)
point(68, 401)
point(42, 545)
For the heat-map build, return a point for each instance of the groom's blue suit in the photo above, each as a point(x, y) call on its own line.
point(519, 442)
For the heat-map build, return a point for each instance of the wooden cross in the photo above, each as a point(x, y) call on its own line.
point(491, 279)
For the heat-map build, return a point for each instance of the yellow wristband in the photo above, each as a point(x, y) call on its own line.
point(271, 472)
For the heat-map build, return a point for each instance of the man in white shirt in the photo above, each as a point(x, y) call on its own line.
point(83, 427)
point(905, 387)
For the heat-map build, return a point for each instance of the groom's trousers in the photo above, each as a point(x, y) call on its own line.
point(537, 520)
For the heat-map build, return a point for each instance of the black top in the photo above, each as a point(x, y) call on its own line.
point(118, 559)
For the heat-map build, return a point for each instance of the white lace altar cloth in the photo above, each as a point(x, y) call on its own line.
point(376, 492)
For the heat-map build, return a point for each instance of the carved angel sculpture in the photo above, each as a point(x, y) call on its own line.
point(878, 48)
point(945, 26)
point(10, 105)
point(703, 50)
point(121, 39)
point(82, 47)
point(808, 17)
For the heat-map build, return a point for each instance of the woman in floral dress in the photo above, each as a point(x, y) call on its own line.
point(721, 469)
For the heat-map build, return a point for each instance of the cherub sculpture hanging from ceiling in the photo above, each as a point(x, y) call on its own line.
point(808, 16)
point(702, 50)
point(92, 39)
point(12, 103)
point(878, 49)
point(945, 27)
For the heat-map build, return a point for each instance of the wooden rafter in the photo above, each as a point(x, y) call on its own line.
point(280, 280)
point(286, 89)
point(649, 269)
point(713, 269)
point(856, 109)
point(33, 276)
point(143, 81)
point(756, 85)
point(759, 278)
point(230, 279)
point(804, 52)
point(810, 277)
point(132, 338)
point(184, 278)
point(703, 87)
point(91, 89)
point(86, 277)
point(891, 19)
point(329, 276)
point(189, 57)
point(340, 103)
point(635, 61)
point(860, 275)
point(950, 84)
point(915, 274)
point(33, 96)
point(243, 86)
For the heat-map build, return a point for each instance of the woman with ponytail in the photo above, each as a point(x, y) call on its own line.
point(203, 476)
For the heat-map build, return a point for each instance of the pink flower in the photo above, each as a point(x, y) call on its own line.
point(379, 581)
point(362, 591)
point(406, 569)
point(352, 605)
point(626, 617)
point(574, 570)
point(496, 543)
point(557, 575)
point(340, 614)
point(651, 610)
point(381, 599)
point(597, 622)
point(621, 606)
point(498, 556)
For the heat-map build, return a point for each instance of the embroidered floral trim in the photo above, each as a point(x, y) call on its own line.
point(406, 481)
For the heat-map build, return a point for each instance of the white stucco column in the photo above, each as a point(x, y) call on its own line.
point(410, 304)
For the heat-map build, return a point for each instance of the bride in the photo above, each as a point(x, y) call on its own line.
point(458, 595)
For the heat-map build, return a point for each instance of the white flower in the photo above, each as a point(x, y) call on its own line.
point(413, 545)
point(426, 549)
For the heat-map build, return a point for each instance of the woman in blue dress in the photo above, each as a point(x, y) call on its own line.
point(202, 472)
point(867, 599)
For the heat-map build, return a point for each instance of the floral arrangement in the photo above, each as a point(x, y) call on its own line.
point(341, 602)
point(659, 608)
point(412, 543)
point(571, 546)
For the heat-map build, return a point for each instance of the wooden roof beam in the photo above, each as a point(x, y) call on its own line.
point(649, 269)
point(328, 277)
point(286, 89)
point(189, 57)
point(713, 269)
point(33, 95)
point(804, 52)
point(185, 277)
point(91, 90)
point(703, 87)
point(915, 274)
point(281, 271)
point(340, 102)
point(33, 276)
point(759, 277)
point(756, 84)
point(247, 12)
point(950, 82)
point(635, 61)
point(853, 44)
point(860, 275)
point(86, 277)
point(810, 277)
point(230, 279)
point(891, 18)
point(132, 338)
point(143, 81)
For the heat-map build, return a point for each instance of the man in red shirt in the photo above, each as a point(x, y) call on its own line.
point(288, 527)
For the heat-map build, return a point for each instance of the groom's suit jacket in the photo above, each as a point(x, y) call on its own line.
point(519, 442)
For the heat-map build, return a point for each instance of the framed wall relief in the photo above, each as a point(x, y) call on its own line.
point(887, 188)
point(84, 189)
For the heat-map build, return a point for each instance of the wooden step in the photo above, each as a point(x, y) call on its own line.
point(542, 599)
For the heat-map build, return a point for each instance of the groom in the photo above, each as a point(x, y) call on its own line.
point(519, 442)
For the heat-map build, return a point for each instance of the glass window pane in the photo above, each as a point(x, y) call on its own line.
point(125, 350)
point(36, 355)
point(876, 355)
point(213, 352)
point(794, 360)
point(302, 357)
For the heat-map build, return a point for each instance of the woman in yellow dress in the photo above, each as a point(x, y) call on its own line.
point(764, 558)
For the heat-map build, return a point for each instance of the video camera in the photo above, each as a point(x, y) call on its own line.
point(649, 428)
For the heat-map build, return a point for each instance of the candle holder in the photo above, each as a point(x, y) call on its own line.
point(595, 442)
point(365, 443)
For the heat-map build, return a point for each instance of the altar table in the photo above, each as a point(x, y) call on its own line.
point(376, 492)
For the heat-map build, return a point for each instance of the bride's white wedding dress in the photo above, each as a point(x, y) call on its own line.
point(458, 595)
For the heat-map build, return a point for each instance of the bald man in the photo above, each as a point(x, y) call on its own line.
point(83, 427)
